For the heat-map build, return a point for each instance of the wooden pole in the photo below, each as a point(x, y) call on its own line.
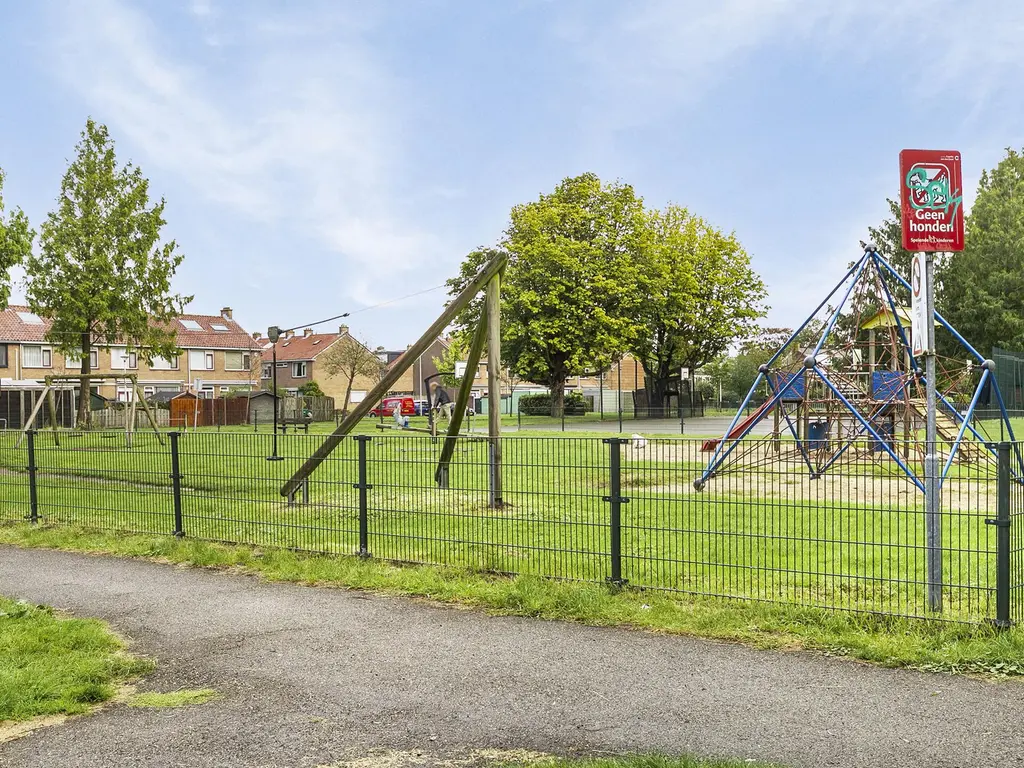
point(461, 402)
point(129, 425)
point(53, 415)
point(493, 306)
point(455, 306)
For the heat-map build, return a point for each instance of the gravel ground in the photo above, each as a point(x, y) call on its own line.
point(313, 677)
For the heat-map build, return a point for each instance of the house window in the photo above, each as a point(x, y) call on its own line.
point(206, 392)
point(163, 364)
point(236, 361)
point(74, 362)
point(357, 396)
point(149, 391)
point(268, 371)
point(125, 394)
point(36, 356)
point(299, 370)
point(191, 325)
point(121, 358)
point(3, 355)
point(200, 360)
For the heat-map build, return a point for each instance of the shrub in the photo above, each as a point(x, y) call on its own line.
point(540, 404)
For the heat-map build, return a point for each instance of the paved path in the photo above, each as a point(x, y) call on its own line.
point(314, 676)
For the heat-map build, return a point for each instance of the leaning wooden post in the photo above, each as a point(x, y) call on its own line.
point(493, 302)
point(476, 349)
point(52, 408)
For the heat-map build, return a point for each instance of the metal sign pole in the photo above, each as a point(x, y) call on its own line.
point(932, 510)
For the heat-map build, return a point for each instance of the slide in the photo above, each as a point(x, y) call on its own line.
point(756, 416)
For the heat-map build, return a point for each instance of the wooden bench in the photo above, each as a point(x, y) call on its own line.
point(295, 424)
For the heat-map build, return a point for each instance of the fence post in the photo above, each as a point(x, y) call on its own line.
point(616, 500)
point(179, 527)
point(1002, 523)
point(363, 486)
point(33, 490)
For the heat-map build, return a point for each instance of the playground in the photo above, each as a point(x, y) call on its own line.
point(812, 498)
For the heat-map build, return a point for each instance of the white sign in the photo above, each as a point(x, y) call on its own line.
point(460, 368)
point(197, 385)
point(918, 306)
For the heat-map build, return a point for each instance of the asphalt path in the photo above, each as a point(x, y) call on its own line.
point(314, 676)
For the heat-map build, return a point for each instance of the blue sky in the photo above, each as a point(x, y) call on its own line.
point(322, 157)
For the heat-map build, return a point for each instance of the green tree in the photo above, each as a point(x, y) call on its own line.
point(16, 239)
point(981, 289)
point(102, 274)
point(311, 389)
point(699, 295)
point(569, 292)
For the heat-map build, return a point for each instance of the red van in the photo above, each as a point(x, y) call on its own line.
point(387, 406)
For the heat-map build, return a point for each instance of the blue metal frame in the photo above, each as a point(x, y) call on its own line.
point(867, 425)
point(835, 315)
point(896, 317)
point(850, 442)
point(963, 425)
point(945, 324)
point(810, 317)
point(792, 429)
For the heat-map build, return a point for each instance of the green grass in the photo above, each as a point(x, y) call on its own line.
point(774, 535)
point(182, 698)
point(936, 646)
point(50, 665)
point(645, 761)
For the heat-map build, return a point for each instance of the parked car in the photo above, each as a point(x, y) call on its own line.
point(422, 406)
point(387, 406)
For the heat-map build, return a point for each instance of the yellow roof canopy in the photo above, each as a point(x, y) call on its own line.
point(884, 319)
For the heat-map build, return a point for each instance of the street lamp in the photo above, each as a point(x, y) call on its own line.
point(274, 333)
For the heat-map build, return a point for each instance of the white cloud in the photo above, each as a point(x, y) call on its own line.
point(302, 131)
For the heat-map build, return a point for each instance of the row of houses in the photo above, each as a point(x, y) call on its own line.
point(218, 356)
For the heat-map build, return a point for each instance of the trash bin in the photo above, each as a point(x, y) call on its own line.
point(817, 434)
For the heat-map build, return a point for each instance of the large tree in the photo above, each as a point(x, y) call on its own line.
point(569, 292)
point(15, 243)
point(102, 275)
point(981, 289)
point(699, 295)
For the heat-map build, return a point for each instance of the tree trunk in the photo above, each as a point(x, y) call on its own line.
point(656, 384)
point(557, 397)
point(84, 393)
point(348, 395)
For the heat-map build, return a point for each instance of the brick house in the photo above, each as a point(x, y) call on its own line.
point(215, 351)
point(297, 364)
point(411, 380)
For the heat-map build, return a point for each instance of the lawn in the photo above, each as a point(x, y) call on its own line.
point(854, 539)
point(51, 665)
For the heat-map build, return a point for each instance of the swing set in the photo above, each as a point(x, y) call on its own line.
point(61, 384)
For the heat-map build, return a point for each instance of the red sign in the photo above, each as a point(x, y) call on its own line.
point(931, 196)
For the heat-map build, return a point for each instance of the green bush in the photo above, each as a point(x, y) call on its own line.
point(540, 404)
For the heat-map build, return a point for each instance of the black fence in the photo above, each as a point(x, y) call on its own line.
point(577, 508)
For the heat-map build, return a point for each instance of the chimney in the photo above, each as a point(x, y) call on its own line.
point(307, 332)
point(226, 313)
point(342, 329)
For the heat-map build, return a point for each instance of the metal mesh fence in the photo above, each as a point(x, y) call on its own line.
point(579, 508)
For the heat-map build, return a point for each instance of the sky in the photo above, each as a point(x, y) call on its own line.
point(328, 157)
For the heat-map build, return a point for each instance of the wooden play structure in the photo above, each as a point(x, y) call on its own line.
point(65, 384)
point(488, 331)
